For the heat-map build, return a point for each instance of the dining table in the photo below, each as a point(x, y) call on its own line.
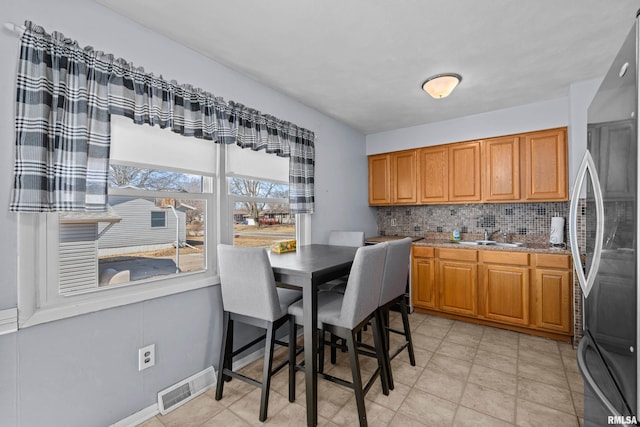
point(306, 268)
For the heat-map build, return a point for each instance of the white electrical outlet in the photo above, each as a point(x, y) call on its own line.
point(146, 357)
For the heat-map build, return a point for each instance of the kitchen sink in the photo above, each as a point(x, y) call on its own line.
point(510, 245)
point(489, 243)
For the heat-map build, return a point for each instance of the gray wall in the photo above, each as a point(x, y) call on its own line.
point(82, 371)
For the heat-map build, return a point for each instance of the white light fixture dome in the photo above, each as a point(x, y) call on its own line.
point(441, 85)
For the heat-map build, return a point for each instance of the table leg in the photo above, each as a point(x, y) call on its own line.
point(310, 322)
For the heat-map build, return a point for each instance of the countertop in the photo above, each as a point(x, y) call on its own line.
point(382, 239)
point(529, 247)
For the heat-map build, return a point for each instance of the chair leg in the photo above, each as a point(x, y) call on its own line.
point(224, 349)
point(334, 348)
point(407, 331)
point(385, 320)
point(292, 359)
point(382, 354)
point(266, 371)
point(229, 355)
point(321, 334)
point(357, 380)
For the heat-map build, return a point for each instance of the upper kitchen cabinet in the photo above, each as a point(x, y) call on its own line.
point(464, 172)
point(380, 179)
point(433, 174)
point(615, 143)
point(501, 171)
point(392, 178)
point(403, 178)
point(545, 165)
point(529, 167)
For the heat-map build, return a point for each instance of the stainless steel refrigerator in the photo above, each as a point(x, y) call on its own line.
point(608, 269)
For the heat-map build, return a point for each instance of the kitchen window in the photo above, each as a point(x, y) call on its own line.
point(258, 194)
point(155, 239)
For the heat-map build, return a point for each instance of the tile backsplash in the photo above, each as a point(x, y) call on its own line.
point(523, 221)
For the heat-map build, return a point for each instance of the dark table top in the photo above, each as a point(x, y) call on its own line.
point(313, 260)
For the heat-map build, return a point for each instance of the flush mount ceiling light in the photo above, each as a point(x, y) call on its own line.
point(441, 85)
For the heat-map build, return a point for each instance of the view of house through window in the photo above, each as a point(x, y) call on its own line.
point(155, 226)
point(260, 212)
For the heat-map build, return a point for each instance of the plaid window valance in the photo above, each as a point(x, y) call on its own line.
point(65, 96)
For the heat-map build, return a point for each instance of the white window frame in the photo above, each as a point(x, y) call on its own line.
point(164, 219)
point(39, 299)
point(228, 201)
point(37, 237)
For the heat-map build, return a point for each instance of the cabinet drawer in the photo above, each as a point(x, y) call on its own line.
point(458, 254)
point(505, 258)
point(423, 252)
point(552, 261)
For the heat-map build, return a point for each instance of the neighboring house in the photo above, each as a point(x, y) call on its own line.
point(144, 226)
point(267, 217)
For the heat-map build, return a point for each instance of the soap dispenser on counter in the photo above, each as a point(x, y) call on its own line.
point(456, 234)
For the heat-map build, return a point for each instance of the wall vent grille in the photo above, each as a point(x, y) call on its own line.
point(182, 392)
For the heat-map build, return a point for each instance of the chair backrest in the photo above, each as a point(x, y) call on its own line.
point(346, 238)
point(362, 294)
point(396, 270)
point(247, 283)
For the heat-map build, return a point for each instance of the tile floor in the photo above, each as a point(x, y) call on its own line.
point(466, 375)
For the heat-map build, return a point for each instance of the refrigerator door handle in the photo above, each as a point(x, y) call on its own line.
point(587, 165)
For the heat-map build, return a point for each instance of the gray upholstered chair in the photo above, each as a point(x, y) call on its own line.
point(342, 238)
point(250, 296)
point(346, 238)
point(344, 315)
point(394, 284)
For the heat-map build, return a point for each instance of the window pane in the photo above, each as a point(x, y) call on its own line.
point(153, 179)
point(259, 224)
point(158, 219)
point(257, 188)
point(123, 245)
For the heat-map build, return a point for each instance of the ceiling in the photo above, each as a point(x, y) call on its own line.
point(363, 61)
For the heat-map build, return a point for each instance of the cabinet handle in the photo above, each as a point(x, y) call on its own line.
point(587, 165)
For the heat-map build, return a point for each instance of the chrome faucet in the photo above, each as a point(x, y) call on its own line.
point(488, 235)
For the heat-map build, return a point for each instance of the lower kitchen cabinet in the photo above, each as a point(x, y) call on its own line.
point(423, 277)
point(457, 280)
point(504, 285)
point(553, 292)
point(522, 291)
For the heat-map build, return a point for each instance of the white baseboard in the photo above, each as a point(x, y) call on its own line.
point(8, 321)
point(139, 417)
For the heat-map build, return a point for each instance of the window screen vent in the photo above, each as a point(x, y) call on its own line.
point(180, 393)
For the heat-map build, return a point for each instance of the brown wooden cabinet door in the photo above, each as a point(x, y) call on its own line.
point(423, 283)
point(433, 174)
point(403, 177)
point(545, 159)
point(464, 172)
point(501, 172)
point(380, 179)
point(553, 299)
point(506, 293)
point(457, 282)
